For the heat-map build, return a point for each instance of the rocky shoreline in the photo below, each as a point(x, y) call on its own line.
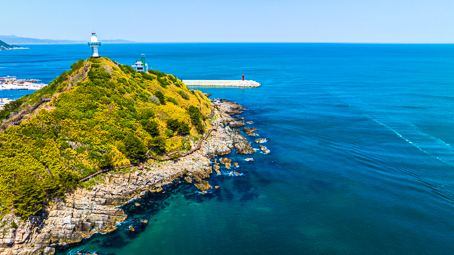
point(85, 212)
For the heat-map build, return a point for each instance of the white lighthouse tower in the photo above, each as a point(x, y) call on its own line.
point(94, 44)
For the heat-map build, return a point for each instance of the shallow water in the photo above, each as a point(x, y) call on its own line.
point(361, 140)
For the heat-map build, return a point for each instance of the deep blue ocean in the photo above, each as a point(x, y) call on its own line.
point(361, 139)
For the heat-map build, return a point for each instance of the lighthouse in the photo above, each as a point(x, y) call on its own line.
point(94, 44)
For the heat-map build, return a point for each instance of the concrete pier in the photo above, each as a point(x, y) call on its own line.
point(222, 83)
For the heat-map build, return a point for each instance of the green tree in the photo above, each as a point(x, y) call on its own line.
point(152, 128)
point(158, 145)
point(134, 149)
point(28, 197)
point(161, 97)
point(196, 118)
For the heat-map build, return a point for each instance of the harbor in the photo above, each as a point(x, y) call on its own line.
point(12, 83)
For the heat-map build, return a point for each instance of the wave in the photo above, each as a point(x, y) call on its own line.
point(428, 144)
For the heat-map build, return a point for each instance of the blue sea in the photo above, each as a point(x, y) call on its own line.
point(361, 139)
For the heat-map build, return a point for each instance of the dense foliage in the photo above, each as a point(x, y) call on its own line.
point(10, 108)
point(102, 114)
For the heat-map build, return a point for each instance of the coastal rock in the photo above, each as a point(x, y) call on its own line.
point(49, 251)
point(250, 131)
point(242, 146)
point(264, 149)
point(231, 108)
point(261, 140)
point(226, 162)
point(249, 122)
point(236, 124)
point(216, 168)
point(204, 185)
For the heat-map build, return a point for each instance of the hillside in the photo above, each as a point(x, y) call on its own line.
point(97, 115)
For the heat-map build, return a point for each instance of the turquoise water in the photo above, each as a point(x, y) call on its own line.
point(361, 140)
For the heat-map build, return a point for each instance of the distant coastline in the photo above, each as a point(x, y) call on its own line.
point(12, 39)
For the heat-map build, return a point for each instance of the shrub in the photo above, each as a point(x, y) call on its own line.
point(154, 99)
point(98, 73)
point(9, 108)
point(161, 97)
point(127, 69)
point(147, 113)
point(152, 128)
point(183, 94)
point(157, 145)
point(175, 156)
point(147, 76)
point(178, 126)
point(172, 100)
point(77, 65)
point(169, 133)
point(163, 82)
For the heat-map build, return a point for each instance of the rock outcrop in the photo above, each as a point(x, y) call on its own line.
point(250, 131)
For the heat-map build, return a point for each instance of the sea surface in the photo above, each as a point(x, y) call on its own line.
point(361, 139)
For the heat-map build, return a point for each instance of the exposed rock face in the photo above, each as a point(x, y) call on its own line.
point(225, 140)
point(231, 108)
point(85, 212)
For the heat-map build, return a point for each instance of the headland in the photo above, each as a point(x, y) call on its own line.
point(54, 203)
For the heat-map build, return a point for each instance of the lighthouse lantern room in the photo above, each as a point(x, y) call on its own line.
point(94, 44)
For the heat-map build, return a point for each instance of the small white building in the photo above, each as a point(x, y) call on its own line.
point(140, 65)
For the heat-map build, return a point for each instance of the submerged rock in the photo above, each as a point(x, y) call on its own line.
point(249, 159)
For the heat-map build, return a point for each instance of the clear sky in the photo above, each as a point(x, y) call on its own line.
point(369, 21)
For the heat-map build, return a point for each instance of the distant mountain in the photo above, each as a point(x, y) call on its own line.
point(12, 39)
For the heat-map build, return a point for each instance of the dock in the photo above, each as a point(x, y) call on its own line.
point(222, 83)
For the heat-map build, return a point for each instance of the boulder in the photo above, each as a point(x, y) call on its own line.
point(236, 124)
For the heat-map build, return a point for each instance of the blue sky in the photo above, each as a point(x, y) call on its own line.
point(357, 21)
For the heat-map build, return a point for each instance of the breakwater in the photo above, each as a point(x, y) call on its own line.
point(222, 83)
